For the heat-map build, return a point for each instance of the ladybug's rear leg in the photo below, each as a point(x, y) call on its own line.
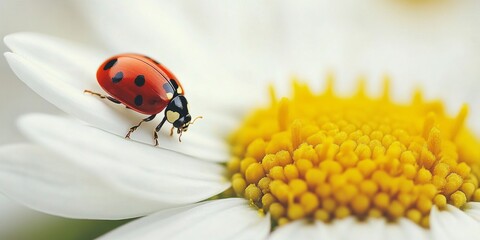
point(148, 119)
point(155, 135)
point(102, 96)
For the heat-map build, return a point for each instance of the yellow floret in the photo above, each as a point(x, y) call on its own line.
point(414, 215)
point(315, 177)
point(297, 187)
point(454, 181)
point(440, 201)
point(277, 210)
point(253, 193)
point(239, 186)
point(321, 215)
point(458, 199)
point(342, 212)
point(267, 201)
point(254, 173)
point(360, 204)
point(291, 172)
point(309, 202)
point(295, 211)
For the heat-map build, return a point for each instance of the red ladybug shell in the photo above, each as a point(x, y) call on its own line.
point(139, 82)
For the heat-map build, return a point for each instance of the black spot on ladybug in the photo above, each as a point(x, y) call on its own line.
point(138, 100)
point(110, 64)
point(118, 77)
point(140, 80)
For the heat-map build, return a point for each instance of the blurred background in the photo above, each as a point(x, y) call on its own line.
point(433, 44)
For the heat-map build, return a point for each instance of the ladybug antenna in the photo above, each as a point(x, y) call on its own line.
point(199, 117)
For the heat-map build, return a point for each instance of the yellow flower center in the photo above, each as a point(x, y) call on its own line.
point(325, 157)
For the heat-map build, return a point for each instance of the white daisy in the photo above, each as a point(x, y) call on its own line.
point(78, 171)
point(99, 175)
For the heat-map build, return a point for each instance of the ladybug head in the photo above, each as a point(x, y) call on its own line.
point(178, 115)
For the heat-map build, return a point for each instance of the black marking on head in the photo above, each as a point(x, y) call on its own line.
point(138, 100)
point(110, 64)
point(179, 104)
point(174, 83)
point(140, 80)
point(118, 77)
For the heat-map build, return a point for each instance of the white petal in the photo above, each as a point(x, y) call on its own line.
point(130, 163)
point(42, 180)
point(62, 79)
point(410, 230)
point(395, 231)
point(230, 218)
point(350, 229)
point(453, 223)
point(74, 64)
point(473, 210)
point(340, 228)
point(123, 179)
point(371, 229)
point(302, 230)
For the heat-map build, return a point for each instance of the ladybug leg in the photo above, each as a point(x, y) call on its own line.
point(155, 135)
point(155, 138)
point(148, 119)
point(102, 96)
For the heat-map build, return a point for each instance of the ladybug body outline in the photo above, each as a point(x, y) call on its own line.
point(145, 86)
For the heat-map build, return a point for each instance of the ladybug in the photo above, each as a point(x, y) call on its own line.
point(145, 86)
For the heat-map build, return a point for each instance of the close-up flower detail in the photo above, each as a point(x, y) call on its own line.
point(298, 139)
point(327, 157)
point(408, 167)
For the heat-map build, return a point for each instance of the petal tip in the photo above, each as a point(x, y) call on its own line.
point(27, 120)
point(12, 60)
point(19, 40)
point(8, 38)
point(11, 38)
point(7, 54)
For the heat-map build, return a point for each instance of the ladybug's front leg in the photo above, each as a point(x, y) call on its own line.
point(148, 119)
point(155, 135)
